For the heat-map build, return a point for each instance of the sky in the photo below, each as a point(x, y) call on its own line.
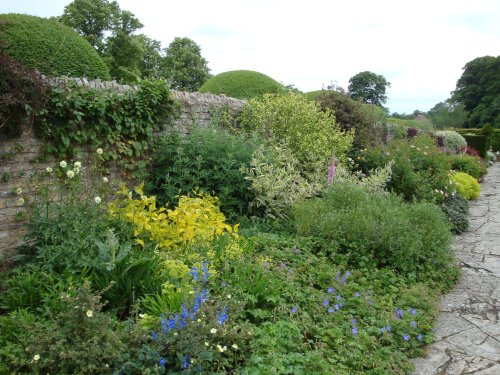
point(420, 47)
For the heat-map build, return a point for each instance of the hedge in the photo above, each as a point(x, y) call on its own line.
point(50, 47)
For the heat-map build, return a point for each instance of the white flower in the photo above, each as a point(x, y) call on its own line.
point(213, 331)
point(63, 164)
point(99, 151)
point(207, 344)
point(97, 200)
point(36, 357)
point(105, 179)
point(77, 170)
point(175, 333)
point(48, 169)
point(221, 349)
point(19, 191)
point(78, 164)
point(234, 346)
point(229, 296)
point(70, 174)
point(89, 313)
point(20, 201)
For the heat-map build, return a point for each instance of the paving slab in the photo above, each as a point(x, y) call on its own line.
point(467, 331)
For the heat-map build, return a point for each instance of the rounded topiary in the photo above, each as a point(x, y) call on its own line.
point(453, 142)
point(466, 185)
point(50, 47)
point(242, 84)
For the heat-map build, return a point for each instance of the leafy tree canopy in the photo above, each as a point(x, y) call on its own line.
point(448, 114)
point(478, 89)
point(369, 88)
point(184, 66)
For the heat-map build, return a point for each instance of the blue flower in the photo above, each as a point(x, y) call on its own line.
point(331, 290)
point(162, 362)
point(222, 317)
point(382, 330)
point(419, 337)
point(388, 328)
point(347, 274)
point(412, 311)
point(343, 280)
point(354, 330)
point(406, 337)
point(339, 297)
point(413, 324)
point(185, 363)
point(194, 272)
point(337, 307)
point(331, 310)
point(353, 321)
point(154, 336)
point(326, 302)
point(357, 294)
point(294, 309)
point(206, 274)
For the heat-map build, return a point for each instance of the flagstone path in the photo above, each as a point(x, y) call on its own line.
point(468, 328)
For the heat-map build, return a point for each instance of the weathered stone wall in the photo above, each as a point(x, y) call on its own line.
point(17, 155)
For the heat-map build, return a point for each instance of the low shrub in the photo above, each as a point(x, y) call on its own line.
point(479, 142)
point(453, 142)
point(413, 239)
point(211, 159)
point(419, 171)
point(242, 84)
point(457, 210)
point(469, 164)
point(466, 185)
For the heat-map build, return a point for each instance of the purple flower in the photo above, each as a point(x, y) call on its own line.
point(343, 280)
point(339, 297)
point(326, 302)
point(331, 290)
point(353, 321)
point(413, 324)
point(382, 330)
point(337, 307)
point(357, 294)
point(282, 265)
point(354, 330)
point(294, 309)
point(223, 284)
point(388, 328)
point(331, 310)
point(412, 311)
point(419, 337)
point(406, 337)
point(266, 264)
point(347, 274)
point(331, 172)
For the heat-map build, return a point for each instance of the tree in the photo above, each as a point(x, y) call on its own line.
point(184, 66)
point(448, 114)
point(369, 88)
point(92, 19)
point(478, 89)
point(151, 64)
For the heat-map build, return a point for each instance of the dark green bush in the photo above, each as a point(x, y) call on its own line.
point(419, 168)
point(50, 47)
point(22, 94)
point(242, 84)
point(457, 210)
point(479, 142)
point(468, 164)
point(413, 239)
point(209, 158)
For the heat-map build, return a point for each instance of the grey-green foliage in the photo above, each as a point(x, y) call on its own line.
point(111, 251)
point(453, 142)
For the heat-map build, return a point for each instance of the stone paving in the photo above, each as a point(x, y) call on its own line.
point(468, 328)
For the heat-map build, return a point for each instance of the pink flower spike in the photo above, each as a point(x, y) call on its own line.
point(331, 172)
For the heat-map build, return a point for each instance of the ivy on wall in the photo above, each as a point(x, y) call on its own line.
point(122, 123)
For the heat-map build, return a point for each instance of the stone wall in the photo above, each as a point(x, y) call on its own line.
point(17, 156)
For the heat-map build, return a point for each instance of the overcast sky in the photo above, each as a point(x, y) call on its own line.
point(420, 47)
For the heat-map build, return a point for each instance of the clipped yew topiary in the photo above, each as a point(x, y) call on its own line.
point(242, 84)
point(50, 47)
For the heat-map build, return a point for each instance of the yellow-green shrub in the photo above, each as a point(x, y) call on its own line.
point(183, 235)
point(466, 185)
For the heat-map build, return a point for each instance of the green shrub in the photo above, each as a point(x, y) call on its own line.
point(479, 142)
point(466, 185)
point(291, 120)
point(23, 93)
point(457, 210)
point(468, 164)
point(420, 169)
point(210, 158)
point(242, 84)
point(453, 142)
point(278, 181)
point(424, 125)
point(50, 47)
point(413, 239)
point(350, 115)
